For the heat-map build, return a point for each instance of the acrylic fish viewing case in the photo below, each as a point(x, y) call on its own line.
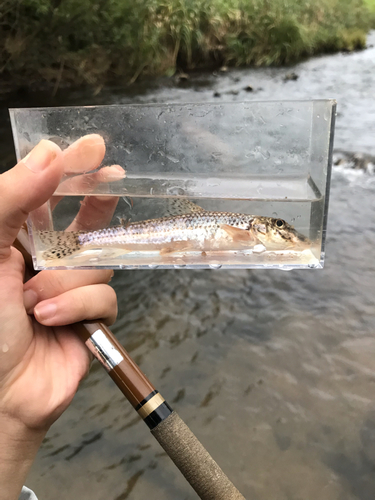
point(231, 185)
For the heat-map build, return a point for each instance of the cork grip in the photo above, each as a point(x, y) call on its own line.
point(194, 462)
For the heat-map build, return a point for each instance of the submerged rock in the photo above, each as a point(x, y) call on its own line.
point(181, 77)
point(291, 77)
point(248, 88)
point(354, 161)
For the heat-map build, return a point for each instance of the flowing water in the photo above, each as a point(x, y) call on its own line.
point(273, 371)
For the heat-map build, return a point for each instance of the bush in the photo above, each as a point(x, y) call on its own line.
point(99, 41)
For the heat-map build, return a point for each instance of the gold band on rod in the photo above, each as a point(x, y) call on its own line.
point(151, 405)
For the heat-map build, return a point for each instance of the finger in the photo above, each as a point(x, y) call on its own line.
point(80, 358)
point(49, 284)
point(96, 212)
point(84, 155)
point(88, 182)
point(85, 303)
point(26, 187)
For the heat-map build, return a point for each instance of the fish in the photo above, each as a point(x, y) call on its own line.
point(192, 228)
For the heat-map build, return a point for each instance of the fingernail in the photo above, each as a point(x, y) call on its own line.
point(114, 172)
point(30, 300)
point(40, 157)
point(119, 169)
point(85, 154)
point(45, 311)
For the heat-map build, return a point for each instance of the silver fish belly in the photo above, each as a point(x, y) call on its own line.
point(204, 229)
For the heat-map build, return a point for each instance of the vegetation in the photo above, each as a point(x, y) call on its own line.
point(370, 4)
point(99, 41)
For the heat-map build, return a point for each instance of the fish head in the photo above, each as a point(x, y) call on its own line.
point(277, 234)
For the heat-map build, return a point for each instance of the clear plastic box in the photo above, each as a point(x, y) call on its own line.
point(232, 185)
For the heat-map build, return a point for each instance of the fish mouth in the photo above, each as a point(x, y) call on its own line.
point(300, 242)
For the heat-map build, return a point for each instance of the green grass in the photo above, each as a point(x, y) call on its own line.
point(370, 4)
point(99, 41)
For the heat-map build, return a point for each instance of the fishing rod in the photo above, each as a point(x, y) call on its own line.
point(192, 459)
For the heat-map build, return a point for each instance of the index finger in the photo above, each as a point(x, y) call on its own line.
point(84, 155)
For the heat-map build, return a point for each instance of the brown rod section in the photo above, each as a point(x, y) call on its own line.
point(127, 375)
point(193, 460)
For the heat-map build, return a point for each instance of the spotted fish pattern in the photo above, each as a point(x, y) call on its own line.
point(198, 230)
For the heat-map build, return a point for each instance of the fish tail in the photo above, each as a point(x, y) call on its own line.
point(60, 243)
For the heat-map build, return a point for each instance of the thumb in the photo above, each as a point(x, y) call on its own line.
point(26, 187)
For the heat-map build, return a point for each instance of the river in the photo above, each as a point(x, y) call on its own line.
point(273, 371)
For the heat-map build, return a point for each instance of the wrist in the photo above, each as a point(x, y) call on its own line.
point(18, 448)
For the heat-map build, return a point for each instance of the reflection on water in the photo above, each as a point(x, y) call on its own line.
point(273, 371)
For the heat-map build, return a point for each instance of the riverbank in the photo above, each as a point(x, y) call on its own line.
point(53, 44)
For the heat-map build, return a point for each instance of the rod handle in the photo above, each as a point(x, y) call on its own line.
point(194, 461)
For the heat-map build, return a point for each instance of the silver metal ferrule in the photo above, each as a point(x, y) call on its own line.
point(104, 350)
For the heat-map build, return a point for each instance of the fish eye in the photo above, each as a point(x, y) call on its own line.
point(280, 223)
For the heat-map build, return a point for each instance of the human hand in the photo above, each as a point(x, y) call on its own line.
point(41, 359)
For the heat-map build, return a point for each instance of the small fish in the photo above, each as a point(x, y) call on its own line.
point(196, 230)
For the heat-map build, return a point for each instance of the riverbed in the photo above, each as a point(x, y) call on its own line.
point(273, 371)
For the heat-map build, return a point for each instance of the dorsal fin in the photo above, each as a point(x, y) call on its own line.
point(178, 206)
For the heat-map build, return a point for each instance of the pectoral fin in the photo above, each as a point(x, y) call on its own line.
point(237, 234)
